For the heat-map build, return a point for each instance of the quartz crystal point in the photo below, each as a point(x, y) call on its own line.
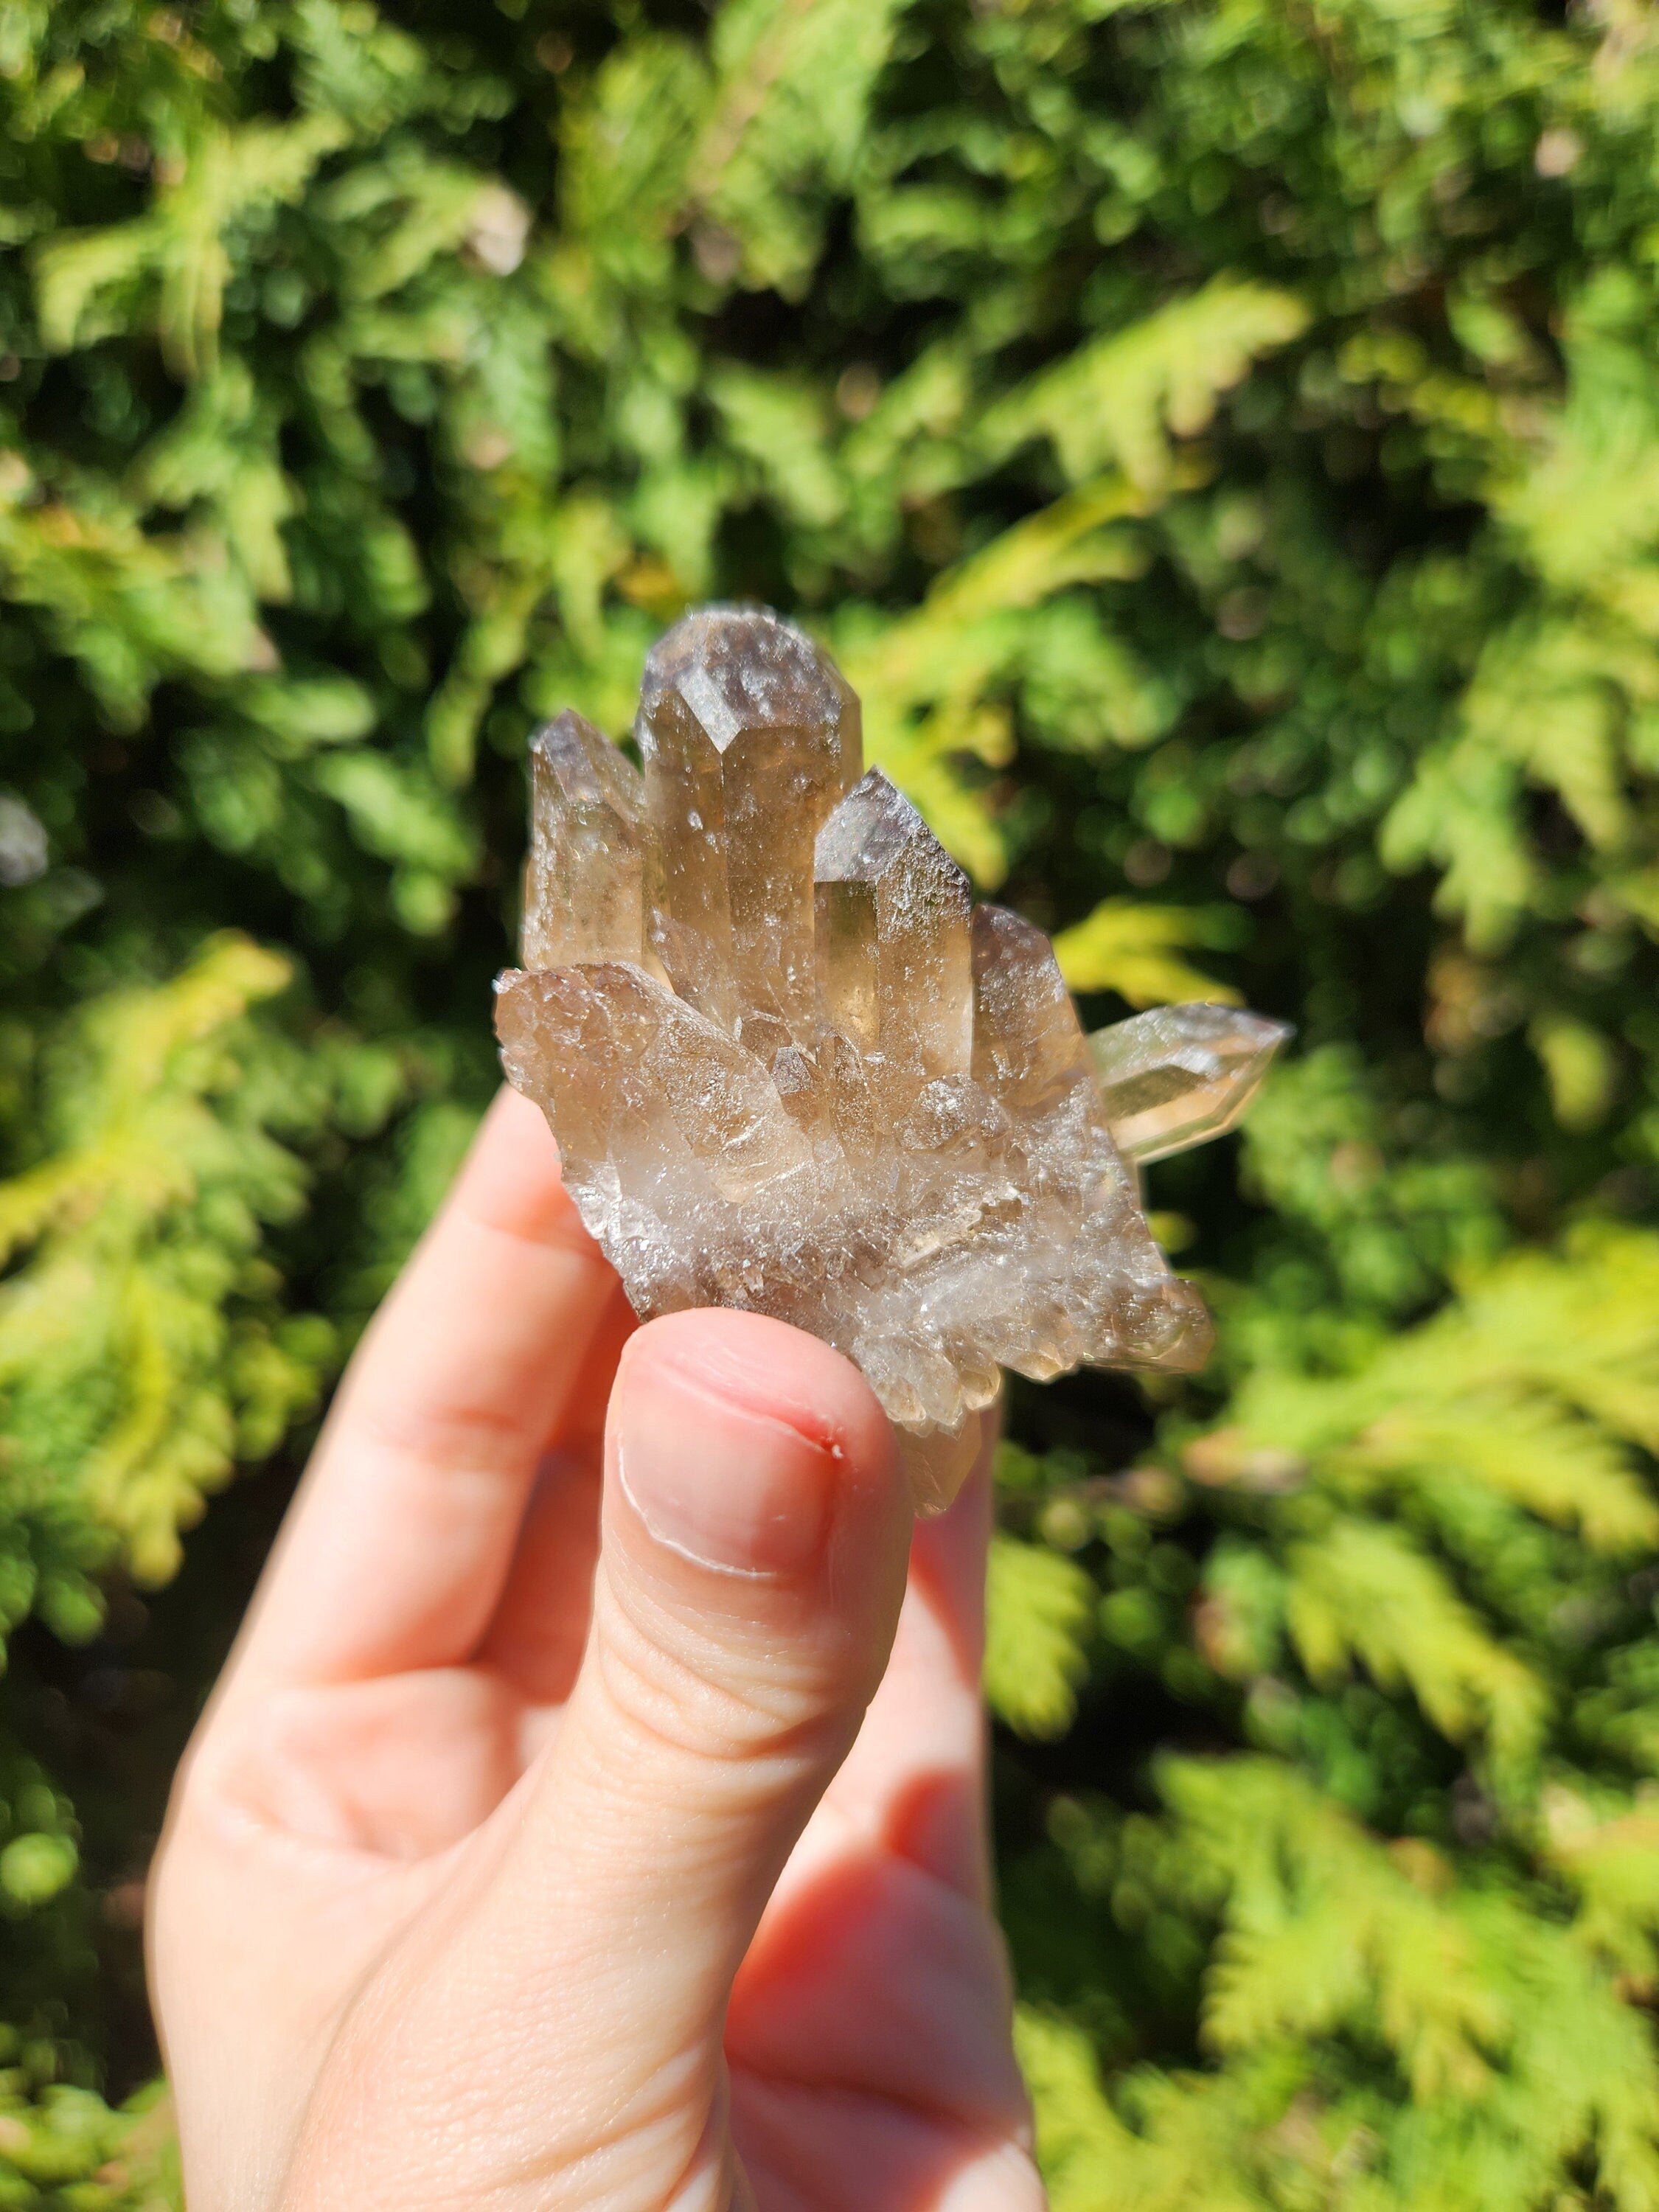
point(747, 738)
point(792, 1069)
point(1180, 1075)
point(585, 880)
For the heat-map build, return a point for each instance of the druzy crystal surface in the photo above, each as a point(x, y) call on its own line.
point(792, 1067)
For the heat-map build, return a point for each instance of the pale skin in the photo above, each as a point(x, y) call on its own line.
point(590, 1818)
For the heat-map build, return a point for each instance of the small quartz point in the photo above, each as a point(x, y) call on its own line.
point(585, 880)
point(792, 1069)
point(1177, 1076)
point(894, 970)
point(748, 736)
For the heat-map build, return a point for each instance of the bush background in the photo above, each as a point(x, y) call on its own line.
point(1221, 440)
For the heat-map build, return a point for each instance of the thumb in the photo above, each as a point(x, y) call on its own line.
point(755, 1531)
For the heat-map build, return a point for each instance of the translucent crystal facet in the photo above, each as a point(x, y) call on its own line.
point(1177, 1076)
point(748, 737)
point(584, 881)
point(894, 973)
point(790, 1067)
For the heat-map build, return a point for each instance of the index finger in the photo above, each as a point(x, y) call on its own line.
point(399, 1540)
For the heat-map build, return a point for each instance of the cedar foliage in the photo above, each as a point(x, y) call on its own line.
point(1220, 439)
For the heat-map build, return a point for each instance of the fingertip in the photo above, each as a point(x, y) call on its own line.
point(511, 1123)
point(949, 1549)
point(512, 1179)
point(774, 1371)
point(746, 1445)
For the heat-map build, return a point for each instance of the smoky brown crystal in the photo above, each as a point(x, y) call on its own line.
point(792, 1067)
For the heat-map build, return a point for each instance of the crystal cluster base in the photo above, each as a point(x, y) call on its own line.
point(791, 1068)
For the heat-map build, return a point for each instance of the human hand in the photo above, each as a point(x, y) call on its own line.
point(562, 1836)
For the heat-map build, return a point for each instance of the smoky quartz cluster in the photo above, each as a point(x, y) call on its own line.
point(792, 1067)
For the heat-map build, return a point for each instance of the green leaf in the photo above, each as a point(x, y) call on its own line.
point(1038, 1608)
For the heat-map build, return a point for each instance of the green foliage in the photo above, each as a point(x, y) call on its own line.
point(1347, 1969)
point(1038, 1607)
point(1135, 950)
point(143, 1343)
point(1221, 440)
point(1431, 1549)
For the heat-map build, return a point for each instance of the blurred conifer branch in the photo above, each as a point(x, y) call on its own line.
point(1221, 444)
